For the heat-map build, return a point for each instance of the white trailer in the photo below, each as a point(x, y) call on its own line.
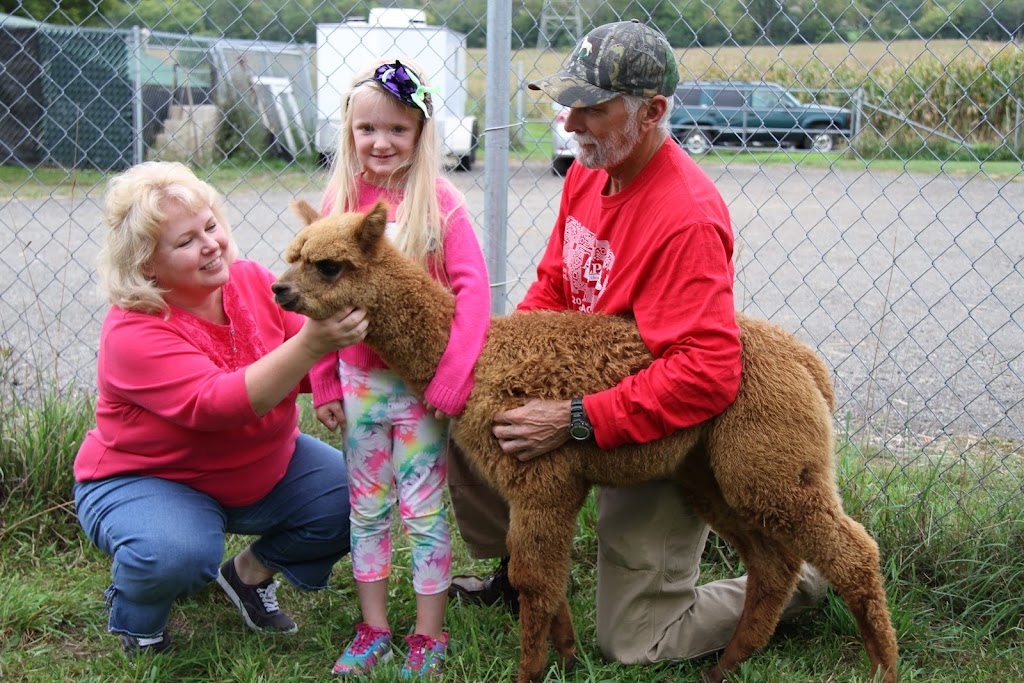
point(345, 48)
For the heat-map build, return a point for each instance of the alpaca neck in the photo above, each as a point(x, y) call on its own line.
point(410, 326)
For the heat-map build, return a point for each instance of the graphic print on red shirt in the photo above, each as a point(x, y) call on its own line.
point(588, 262)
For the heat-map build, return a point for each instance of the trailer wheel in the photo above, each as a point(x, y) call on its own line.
point(466, 162)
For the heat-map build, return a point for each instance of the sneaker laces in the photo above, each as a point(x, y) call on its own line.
point(365, 636)
point(418, 646)
point(268, 596)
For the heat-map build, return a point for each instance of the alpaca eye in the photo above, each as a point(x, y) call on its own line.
point(329, 269)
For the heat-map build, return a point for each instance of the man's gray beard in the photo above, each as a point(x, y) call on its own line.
point(614, 150)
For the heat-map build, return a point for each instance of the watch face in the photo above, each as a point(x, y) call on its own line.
point(580, 432)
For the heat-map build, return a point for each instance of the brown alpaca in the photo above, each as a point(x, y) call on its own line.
point(761, 473)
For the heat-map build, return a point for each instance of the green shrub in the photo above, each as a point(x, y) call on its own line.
point(241, 134)
point(37, 454)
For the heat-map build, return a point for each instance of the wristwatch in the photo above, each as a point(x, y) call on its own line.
point(579, 426)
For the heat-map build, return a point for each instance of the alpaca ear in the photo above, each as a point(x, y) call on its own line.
point(373, 226)
point(305, 211)
point(294, 250)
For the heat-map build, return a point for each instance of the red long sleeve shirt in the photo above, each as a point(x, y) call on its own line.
point(660, 250)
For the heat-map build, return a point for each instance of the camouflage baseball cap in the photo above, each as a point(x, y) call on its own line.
point(623, 58)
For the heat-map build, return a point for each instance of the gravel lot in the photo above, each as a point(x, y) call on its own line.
point(910, 286)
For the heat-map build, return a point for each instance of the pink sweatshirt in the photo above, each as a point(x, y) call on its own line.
point(467, 277)
point(172, 400)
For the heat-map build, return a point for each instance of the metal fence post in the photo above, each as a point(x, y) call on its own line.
point(499, 56)
point(858, 113)
point(1016, 127)
point(135, 61)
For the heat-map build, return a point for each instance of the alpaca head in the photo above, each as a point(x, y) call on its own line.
point(331, 261)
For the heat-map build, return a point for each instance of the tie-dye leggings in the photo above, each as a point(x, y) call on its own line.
point(396, 452)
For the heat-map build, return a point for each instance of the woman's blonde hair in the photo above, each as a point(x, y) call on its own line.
point(133, 212)
point(420, 231)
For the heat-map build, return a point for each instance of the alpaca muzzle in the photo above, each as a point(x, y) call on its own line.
point(286, 297)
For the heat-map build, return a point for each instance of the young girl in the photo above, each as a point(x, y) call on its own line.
point(396, 442)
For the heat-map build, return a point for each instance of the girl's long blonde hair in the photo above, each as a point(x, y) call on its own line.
point(420, 223)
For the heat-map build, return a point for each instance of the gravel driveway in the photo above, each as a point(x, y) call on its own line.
point(910, 286)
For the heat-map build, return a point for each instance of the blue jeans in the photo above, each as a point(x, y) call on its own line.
point(167, 539)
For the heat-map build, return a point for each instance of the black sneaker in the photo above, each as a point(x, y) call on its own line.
point(258, 604)
point(136, 646)
point(486, 590)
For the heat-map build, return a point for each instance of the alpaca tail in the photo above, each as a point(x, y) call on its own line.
point(819, 373)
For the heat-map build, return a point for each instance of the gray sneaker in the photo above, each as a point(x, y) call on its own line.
point(258, 604)
point(134, 645)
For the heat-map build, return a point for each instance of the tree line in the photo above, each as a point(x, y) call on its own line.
point(687, 23)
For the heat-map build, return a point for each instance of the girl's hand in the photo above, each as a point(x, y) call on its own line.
point(331, 415)
point(438, 413)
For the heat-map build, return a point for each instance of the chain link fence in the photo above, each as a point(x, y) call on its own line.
point(898, 256)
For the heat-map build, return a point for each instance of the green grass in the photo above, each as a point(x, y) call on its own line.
point(226, 175)
point(955, 582)
point(529, 142)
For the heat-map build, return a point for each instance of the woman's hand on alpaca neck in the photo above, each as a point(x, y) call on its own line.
point(270, 379)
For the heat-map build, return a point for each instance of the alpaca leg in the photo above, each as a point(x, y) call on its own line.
point(806, 516)
point(539, 543)
point(849, 562)
point(815, 528)
point(534, 626)
point(772, 569)
point(772, 574)
point(563, 637)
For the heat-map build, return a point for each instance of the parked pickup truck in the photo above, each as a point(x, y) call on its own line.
point(753, 114)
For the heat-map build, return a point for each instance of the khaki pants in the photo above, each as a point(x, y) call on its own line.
point(480, 513)
point(649, 607)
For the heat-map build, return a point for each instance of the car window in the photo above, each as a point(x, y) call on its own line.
point(689, 96)
point(728, 97)
point(766, 98)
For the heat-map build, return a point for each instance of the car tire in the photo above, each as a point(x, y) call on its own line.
point(822, 140)
point(560, 166)
point(695, 142)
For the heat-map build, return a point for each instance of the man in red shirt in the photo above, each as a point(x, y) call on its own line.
point(641, 231)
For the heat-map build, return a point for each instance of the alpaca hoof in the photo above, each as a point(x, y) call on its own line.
point(527, 677)
point(712, 675)
point(568, 663)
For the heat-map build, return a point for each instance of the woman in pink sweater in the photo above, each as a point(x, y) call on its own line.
point(196, 421)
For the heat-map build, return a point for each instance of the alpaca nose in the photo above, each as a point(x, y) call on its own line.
point(285, 297)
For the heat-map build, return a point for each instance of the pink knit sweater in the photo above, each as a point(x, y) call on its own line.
point(172, 400)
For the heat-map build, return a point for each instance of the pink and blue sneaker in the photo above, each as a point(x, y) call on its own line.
point(370, 647)
point(426, 656)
